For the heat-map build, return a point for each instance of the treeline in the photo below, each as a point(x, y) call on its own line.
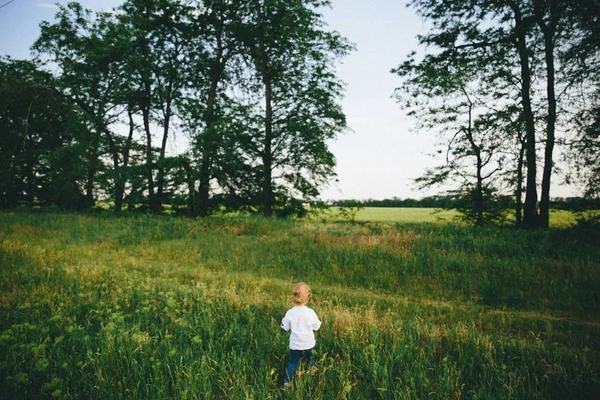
point(425, 202)
point(248, 85)
point(575, 204)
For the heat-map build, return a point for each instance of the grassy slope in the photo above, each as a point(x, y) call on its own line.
point(151, 307)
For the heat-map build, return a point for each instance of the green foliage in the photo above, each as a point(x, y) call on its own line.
point(583, 155)
point(153, 307)
point(293, 207)
point(199, 69)
point(349, 210)
point(483, 207)
point(294, 81)
point(40, 152)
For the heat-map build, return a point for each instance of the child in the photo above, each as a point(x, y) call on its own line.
point(302, 321)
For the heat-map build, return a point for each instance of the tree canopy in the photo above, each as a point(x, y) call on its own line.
point(249, 83)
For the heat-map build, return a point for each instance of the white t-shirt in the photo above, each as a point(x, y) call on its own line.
point(302, 321)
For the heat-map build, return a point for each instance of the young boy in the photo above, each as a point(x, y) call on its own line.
point(302, 321)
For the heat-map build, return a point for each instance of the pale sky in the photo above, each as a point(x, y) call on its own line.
point(381, 156)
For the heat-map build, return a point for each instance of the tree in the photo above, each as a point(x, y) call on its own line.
point(156, 31)
point(585, 151)
point(89, 51)
point(292, 56)
point(349, 209)
point(466, 120)
point(124, 64)
point(213, 45)
point(42, 136)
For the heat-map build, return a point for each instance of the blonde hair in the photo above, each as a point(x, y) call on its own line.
point(301, 293)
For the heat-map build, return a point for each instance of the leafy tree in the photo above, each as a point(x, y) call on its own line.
point(349, 209)
point(450, 94)
point(89, 49)
point(156, 32)
point(584, 153)
point(42, 136)
point(112, 65)
point(292, 55)
point(213, 45)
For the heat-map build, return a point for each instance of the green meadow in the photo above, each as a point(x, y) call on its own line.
point(393, 215)
point(154, 307)
point(558, 218)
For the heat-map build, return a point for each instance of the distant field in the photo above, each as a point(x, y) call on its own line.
point(376, 214)
point(155, 307)
point(558, 218)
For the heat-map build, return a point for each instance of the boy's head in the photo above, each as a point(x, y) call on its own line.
point(301, 293)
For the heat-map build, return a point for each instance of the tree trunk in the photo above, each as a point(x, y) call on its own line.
point(118, 190)
point(267, 156)
point(149, 157)
point(548, 32)
point(193, 203)
point(530, 215)
point(92, 168)
point(145, 106)
point(121, 173)
point(29, 174)
point(132, 195)
point(163, 149)
point(208, 146)
point(519, 189)
point(477, 196)
point(210, 139)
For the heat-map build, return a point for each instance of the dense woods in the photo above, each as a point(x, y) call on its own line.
point(250, 85)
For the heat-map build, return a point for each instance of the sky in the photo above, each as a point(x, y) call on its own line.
point(380, 155)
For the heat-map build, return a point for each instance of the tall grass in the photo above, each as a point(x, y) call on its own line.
point(152, 307)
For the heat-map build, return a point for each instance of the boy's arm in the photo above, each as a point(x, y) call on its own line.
point(285, 324)
point(316, 324)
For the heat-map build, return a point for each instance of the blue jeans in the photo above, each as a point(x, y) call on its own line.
point(295, 357)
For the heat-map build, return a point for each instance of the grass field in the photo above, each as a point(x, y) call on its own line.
point(150, 307)
point(558, 218)
point(394, 215)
